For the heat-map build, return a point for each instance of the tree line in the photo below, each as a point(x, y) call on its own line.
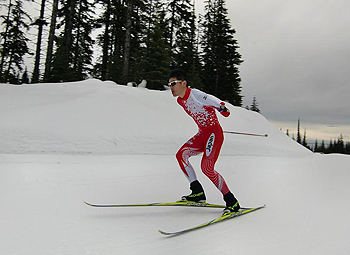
point(137, 40)
point(334, 146)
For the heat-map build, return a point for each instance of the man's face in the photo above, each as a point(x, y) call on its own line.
point(177, 87)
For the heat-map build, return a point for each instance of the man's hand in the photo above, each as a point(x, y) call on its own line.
point(223, 110)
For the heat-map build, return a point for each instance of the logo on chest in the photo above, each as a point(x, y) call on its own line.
point(210, 144)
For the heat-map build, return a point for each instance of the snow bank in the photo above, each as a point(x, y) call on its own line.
point(102, 117)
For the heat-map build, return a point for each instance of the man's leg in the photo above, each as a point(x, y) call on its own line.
point(213, 145)
point(189, 149)
point(212, 150)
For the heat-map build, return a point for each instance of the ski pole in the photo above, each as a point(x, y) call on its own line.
point(240, 133)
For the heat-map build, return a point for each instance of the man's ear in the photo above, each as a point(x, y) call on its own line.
point(185, 82)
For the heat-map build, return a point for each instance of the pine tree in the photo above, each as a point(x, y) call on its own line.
point(180, 12)
point(50, 44)
point(298, 132)
point(255, 106)
point(15, 42)
point(73, 58)
point(4, 49)
point(25, 77)
point(316, 149)
point(127, 40)
point(124, 26)
point(101, 68)
point(304, 143)
point(138, 36)
point(347, 148)
point(40, 22)
point(117, 40)
point(112, 39)
point(339, 145)
point(330, 148)
point(157, 52)
point(134, 44)
point(220, 56)
point(323, 147)
point(62, 61)
point(183, 40)
point(82, 40)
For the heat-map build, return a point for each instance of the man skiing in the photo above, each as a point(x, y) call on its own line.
point(208, 140)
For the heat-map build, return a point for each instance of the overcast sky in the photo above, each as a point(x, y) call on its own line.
point(296, 61)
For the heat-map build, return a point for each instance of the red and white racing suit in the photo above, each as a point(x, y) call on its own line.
point(201, 107)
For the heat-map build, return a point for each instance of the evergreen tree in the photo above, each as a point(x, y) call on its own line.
point(127, 40)
point(347, 148)
point(316, 149)
point(133, 56)
point(298, 132)
point(50, 44)
point(330, 148)
point(339, 145)
point(73, 57)
point(25, 77)
point(255, 106)
point(62, 61)
point(304, 143)
point(82, 40)
point(117, 30)
point(183, 39)
point(157, 51)
point(40, 22)
point(124, 28)
point(101, 67)
point(180, 14)
point(14, 43)
point(323, 147)
point(220, 55)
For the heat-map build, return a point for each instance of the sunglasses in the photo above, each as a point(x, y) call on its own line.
point(173, 83)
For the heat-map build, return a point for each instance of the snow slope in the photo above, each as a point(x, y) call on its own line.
point(97, 141)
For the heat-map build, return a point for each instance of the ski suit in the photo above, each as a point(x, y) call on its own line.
point(201, 107)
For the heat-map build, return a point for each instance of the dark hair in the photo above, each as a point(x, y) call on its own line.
point(179, 74)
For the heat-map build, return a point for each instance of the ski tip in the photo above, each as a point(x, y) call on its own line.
point(164, 233)
point(263, 206)
point(258, 207)
point(87, 203)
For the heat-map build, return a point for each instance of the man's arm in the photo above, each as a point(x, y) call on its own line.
point(212, 101)
point(206, 99)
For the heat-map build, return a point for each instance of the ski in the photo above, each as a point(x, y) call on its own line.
point(241, 212)
point(178, 203)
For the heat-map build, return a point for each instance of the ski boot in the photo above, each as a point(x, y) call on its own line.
point(197, 194)
point(232, 204)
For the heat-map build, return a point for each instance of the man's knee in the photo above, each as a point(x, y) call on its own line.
point(178, 155)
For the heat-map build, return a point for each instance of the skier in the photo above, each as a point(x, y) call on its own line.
point(208, 140)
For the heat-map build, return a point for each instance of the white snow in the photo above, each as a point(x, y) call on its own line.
point(61, 144)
